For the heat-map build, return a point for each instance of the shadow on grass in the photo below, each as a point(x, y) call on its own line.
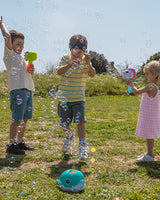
point(11, 161)
point(152, 168)
point(58, 168)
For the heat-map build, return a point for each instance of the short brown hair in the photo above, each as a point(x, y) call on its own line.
point(16, 34)
point(78, 42)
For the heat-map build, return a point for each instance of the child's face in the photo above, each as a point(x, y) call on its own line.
point(77, 53)
point(18, 45)
point(149, 76)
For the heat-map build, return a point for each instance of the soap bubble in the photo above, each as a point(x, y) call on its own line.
point(28, 94)
point(68, 120)
point(14, 71)
point(52, 92)
point(29, 108)
point(12, 159)
point(99, 15)
point(19, 100)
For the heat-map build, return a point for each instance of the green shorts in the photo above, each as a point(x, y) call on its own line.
point(69, 110)
point(21, 104)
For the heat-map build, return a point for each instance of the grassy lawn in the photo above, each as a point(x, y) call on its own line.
point(111, 171)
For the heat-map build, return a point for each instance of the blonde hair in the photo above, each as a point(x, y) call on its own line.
point(154, 68)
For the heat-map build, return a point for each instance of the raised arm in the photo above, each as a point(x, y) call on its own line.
point(151, 89)
point(6, 34)
point(91, 69)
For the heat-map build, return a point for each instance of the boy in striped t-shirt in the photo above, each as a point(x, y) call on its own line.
point(74, 69)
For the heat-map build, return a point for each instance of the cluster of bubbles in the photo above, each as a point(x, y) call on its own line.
point(20, 127)
point(97, 14)
point(69, 132)
point(19, 100)
point(43, 5)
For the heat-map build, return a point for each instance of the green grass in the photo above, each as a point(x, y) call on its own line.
point(111, 171)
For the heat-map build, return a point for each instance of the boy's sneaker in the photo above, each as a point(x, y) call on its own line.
point(66, 146)
point(145, 158)
point(14, 149)
point(22, 145)
point(83, 154)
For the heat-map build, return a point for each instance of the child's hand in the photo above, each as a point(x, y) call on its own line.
point(31, 68)
point(128, 82)
point(87, 58)
point(5, 33)
point(75, 62)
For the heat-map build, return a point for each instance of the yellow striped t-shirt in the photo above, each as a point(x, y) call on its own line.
point(73, 82)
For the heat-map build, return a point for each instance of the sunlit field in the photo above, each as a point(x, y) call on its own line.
point(111, 169)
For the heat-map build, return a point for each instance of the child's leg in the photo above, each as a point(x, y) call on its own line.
point(13, 131)
point(67, 131)
point(81, 130)
point(150, 145)
point(21, 130)
point(83, 152)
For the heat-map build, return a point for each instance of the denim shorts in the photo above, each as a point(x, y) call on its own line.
point(21, 104)
point(69, 110)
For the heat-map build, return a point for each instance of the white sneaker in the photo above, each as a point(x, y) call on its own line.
point(83, 154)
point(66, 146)
point(145, 158)
point(140, 156)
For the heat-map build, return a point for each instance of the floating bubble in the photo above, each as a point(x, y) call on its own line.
point(52, 92)
point(76, 47)
point(29, 108)
point(65, 107)
point(28, 94)
point(63, 124)
point(14, 71)
point(78, 114)
point(68, 120)
point(12, 159)
point(19, 100)
point(99, 15)
point(52, 105)
point(84, 48)
point(19, 3)
point(77, 120)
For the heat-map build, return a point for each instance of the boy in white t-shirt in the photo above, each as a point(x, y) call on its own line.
point(21, 86)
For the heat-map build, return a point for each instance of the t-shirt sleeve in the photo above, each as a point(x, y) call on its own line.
point(64, 61)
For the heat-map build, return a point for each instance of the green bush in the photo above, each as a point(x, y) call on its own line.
point(99, 85)
point(45, 82)
point(4, 84)
point(105, 85)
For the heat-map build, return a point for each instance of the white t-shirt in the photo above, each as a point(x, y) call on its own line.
point(18, 77)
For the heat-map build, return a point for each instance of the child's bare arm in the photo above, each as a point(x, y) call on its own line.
point(5, 34)
point(91, 70)
point(151, 89)
point(63, 69)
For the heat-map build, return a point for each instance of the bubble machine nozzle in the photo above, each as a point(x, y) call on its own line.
point(30, 57)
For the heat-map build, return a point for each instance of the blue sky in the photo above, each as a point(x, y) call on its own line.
point(125, 31)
